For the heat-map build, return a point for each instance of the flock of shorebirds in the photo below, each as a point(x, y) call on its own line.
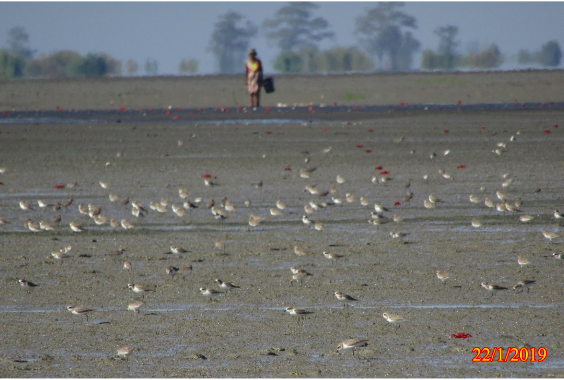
point(223, 210)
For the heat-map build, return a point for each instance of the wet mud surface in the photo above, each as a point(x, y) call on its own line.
point(245, 332)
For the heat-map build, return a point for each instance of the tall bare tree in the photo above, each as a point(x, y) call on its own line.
point(382, 31)
point(294, 27)
point(18, 42)
point(230, 41)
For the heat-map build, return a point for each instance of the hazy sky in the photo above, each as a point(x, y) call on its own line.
point(171, 31)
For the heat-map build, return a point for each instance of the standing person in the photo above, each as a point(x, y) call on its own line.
point(253, 78)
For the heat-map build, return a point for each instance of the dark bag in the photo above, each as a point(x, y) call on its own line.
point(268, 84)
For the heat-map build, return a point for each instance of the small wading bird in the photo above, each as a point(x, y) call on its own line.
point(492, 288)
point(394, 319)
point(351, 345)
point(345, 298)
point(79, 310)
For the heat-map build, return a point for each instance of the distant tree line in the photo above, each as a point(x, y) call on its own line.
point(385, 42)
point(446, 56)
point(19, 61)
point(549, 55)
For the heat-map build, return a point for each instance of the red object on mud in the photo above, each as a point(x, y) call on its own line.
point(397, 204)
point(122, 109)
point(334, 104)
point(287, 169)
point(446, 131)
point(371, 130)
point(384, 172)
point(59, 186)
point(360, 146)
point(379, 167)
point(555, 126)
point(461, 335)
point(368, 151)
point(176, 118)
point(460, 102)
point(207, 175)
point(268, 132)
point(461, 167)
point(546, 131)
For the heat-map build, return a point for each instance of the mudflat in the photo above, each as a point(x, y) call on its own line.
point(253, 160)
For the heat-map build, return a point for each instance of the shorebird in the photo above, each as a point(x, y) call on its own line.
point(344, 297)
point(255, 221)
point(220, 245)
point(27, 284)
point(79, 310)
point(207, 292)
point(126, 225)
point(318, 226)
point(523, 284)
point(489, 203)
point(428, 204)
point(526, 218)
point(59, 255)
point(135, 306)
point(113, 197)
point(104, 185)
point(474, 199)
point(332, 256)
point(558, 215)
point(306, 220)
point(184, 270)
point(275, 212)
point(100, 220)
point(396, 235)
point(298, 275)
point(351, 345)
point(549, 235)
point(280, 205)
point(442, 275)
point(476, 223)
point(492, 288)
point(393, 318)
point(76, 227)
point(226, 285)
point(296, 311)
point(171, 270)
point(177, 250)
point(522, 261)
point(178, 210)
point(340, 179)
point(434, 200)
point(183, 193)
point(43, 204)
point(124, 352)
point(34, 227)
point(298, 251)
point(45, 226)
point(25, 206)
point(139, 289)
point(379, 208)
